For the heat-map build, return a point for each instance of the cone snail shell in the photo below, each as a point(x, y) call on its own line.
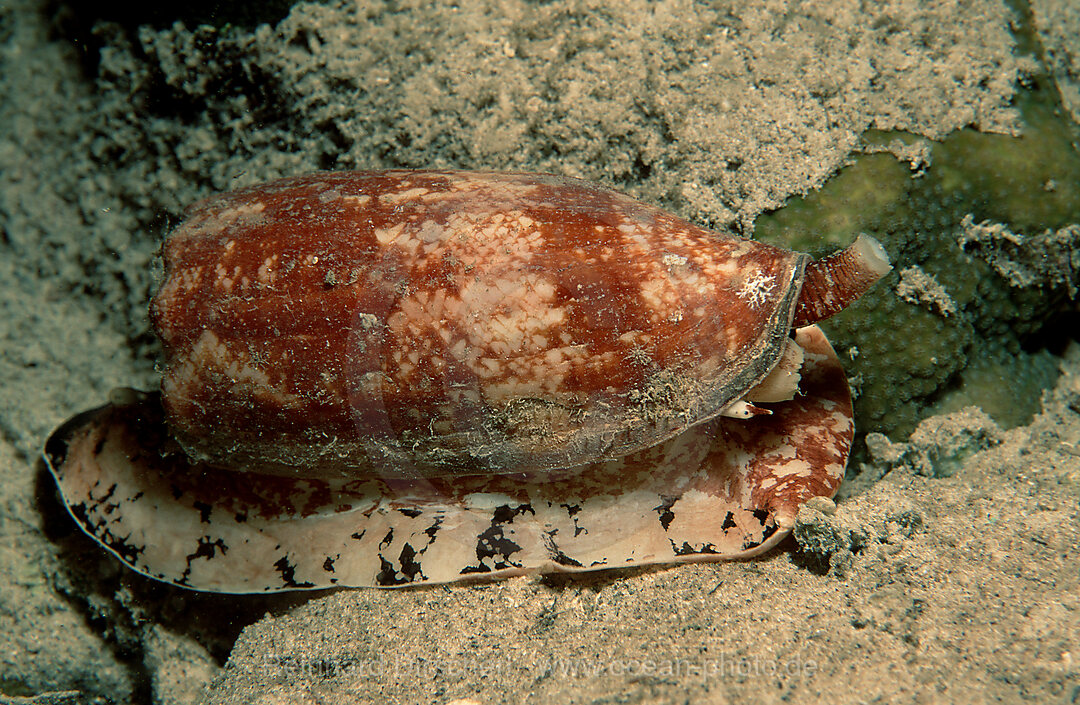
point(465, 373)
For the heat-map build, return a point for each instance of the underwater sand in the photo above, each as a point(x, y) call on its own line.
point(949, 571)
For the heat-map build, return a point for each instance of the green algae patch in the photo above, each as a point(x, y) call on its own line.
point(964, 315)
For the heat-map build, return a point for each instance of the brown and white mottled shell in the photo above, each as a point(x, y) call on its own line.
point(429, 323)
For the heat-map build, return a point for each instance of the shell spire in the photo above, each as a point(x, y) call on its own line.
point(835, 281)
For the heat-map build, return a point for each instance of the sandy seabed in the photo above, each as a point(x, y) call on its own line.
point(948, 572)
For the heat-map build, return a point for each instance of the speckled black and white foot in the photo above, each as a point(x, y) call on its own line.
point(725, 489)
